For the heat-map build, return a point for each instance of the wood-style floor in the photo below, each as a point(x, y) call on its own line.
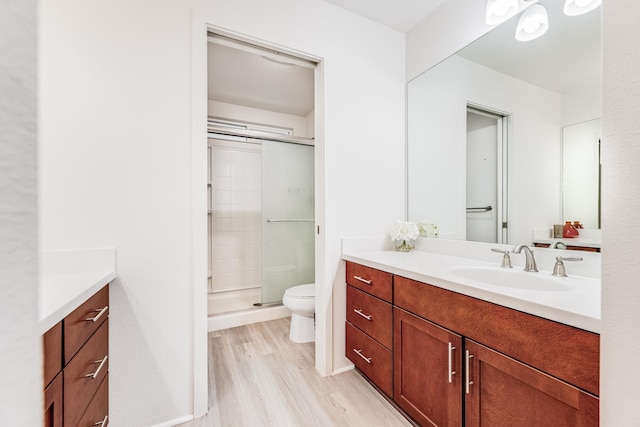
point(258, 377)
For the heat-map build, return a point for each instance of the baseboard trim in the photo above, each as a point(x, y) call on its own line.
point(343, 370)
point(246, 317)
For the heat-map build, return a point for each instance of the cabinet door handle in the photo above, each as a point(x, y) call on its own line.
point(451, 372)
point(359, 311)
point(360, 279)
point(100, 311)
point(366, 359)
point(94, 375)
point(102, 423)
point(468, 381)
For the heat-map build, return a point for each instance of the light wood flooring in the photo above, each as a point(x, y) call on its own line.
point(258, 377)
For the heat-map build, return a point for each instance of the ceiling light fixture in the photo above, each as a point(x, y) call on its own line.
point(579, 7)
point(499, 11)
point(533, 23)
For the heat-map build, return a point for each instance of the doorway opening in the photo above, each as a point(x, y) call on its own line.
point(486, 176)
point(261, 191)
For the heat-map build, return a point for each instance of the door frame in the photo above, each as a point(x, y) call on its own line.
point(199, 271)
point(502, 150)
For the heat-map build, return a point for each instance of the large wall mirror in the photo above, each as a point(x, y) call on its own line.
point(485, 132)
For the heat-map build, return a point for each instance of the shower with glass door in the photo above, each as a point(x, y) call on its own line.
point(261, 219)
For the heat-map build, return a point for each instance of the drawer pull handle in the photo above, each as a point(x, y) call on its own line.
point(94, 375)
point(359, 311)
point(99, 315)
point(360, 279)
point(366, 359)
point(102, 423)
point(451, 372)
point(468, 381)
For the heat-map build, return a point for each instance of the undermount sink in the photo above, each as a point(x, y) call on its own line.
point(514, 278)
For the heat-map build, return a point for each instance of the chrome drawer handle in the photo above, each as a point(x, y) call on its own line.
point(359, 311)
point(451, 372)
point(360, 279)
point(99, 315)
point(468, 374)
point(102, 423)
point(94, 375)
point(366, 359)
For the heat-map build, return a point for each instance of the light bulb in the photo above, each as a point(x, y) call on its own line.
point(499, 11)
point(580, 7)
point(533, 23)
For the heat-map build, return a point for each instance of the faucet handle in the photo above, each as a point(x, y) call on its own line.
point(558, 269)
point(506, 259)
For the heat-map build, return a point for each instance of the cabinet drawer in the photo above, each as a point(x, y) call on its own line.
point(84, 374)
point(371, 315)
point(370, 280)
point(97, 414)
point(52, 352)
point(84, 321)
point(371, 358)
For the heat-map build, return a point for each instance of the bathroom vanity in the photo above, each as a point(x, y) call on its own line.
point(74, 320)
point(451, 351)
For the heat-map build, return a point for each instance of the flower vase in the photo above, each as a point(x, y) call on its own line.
point(404, 245)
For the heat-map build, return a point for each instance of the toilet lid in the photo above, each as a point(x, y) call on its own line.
point(302, 291)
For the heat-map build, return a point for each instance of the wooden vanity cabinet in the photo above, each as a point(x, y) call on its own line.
point(369, 325)
point(76, 357)
point(528, 371)
point(458, 360)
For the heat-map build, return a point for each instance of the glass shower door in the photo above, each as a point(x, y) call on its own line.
point(288, 257)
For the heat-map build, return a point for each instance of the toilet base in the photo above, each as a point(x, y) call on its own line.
point(302, 329)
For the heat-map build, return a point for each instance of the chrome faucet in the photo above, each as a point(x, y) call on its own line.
point(557, 244)
point(530, 261)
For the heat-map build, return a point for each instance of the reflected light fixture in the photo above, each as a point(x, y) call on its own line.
point(533, 23)
point(499, 11)
point(579, 7)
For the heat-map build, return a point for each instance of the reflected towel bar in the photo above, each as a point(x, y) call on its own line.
point(479, 210)
point(291, 220)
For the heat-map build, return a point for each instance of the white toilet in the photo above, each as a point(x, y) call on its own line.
point(301, 300)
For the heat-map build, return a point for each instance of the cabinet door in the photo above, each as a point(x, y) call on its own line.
point(53, 403)
point(427, 371)
point(502, 391)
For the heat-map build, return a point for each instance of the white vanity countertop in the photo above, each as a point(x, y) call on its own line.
point(579, 306)
point(588, 238)
point(587, 242)
point(69, 278)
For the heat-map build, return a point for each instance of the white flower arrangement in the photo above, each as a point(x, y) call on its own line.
point(428, 229)
point(403, 233)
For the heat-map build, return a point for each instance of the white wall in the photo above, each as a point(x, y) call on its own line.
point(223, 110)
point(582, 105)
point(620, 341)
point(117, 165)
point(20, 344)
point(437, 117)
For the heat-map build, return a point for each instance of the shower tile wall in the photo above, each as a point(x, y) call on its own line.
point(236, 204)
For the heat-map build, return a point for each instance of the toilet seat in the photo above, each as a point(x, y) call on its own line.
point(301, 291)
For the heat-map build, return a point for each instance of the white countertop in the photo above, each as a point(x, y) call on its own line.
point(588, 238)
point(68, 278)
point(579, 306)
point(587, 242)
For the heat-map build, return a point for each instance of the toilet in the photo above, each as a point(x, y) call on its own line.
point(301, 300)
